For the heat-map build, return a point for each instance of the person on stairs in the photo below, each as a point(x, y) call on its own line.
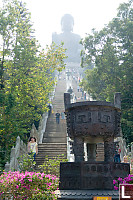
point(57, 117)
point(63, 116)
point(32, 147)
point(50, 109)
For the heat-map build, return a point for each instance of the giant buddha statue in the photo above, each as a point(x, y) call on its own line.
point(70, 39)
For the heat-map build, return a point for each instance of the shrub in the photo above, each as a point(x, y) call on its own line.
point(28, 185)
point(127, 180)
point(52, 166)
point(26, 162)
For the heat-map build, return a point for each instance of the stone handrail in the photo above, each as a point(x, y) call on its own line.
point(19, 149)
point(41, 129)
point(125, 153)
point(124, 150)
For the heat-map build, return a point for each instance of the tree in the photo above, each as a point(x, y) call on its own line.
point(26, 74)
point(111, 51)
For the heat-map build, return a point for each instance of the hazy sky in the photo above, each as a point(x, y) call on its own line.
point(88, 14)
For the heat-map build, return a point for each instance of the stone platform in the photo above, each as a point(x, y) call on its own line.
point(90, 175)
point(86, 194)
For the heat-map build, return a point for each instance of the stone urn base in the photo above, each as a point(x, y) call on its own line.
point(91, 175)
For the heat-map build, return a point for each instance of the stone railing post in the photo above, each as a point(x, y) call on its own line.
point(17, 152)
point(7, 167)
point(12, 159)
point(42, 127)
point(19, 149)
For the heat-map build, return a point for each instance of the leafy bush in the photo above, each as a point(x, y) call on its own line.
point(28, 185)
point(52, 166)
point(26, 162)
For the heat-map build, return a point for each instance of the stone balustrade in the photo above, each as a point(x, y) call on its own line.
point(19, 149)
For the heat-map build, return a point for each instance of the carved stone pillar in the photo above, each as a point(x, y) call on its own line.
point(91, 152)
point(78, 149)
point(109, 149)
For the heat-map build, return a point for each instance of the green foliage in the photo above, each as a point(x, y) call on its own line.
point(26, 74)
point(111, 52)
point(52, 166)
point(26, 162)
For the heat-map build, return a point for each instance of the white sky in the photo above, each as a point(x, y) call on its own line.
point(88, 14)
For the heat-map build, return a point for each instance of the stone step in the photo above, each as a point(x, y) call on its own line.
point(58, 104)
point(58, 92)
point(54, 139)
point(42, 161)
point(56, 144)
point(39, 157)
point(58, 135)
point(54, 134)
point(59, 100)
point(55, 131)
point(100, 152)
point(53, 146)
point(53, 154)
point(58, 97)
point(58, 107)
point(52, 118)
point(41, 152)
point(53, 125)
point(50, 148)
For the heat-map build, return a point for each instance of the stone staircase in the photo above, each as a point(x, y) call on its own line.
point(54, 140)
point(50, 150)
point(77, 94)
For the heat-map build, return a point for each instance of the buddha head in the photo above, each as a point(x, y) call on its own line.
point(67, 23)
